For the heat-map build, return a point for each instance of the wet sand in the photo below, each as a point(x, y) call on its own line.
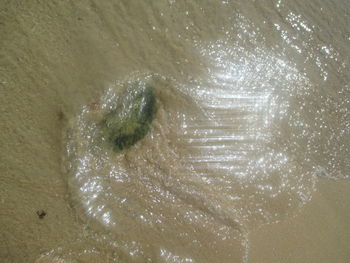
point(57, 57)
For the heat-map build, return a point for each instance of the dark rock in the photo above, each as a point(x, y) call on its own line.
point(41, 214)
point(131, 120)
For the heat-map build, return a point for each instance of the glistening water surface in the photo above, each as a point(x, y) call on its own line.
point(253, 112)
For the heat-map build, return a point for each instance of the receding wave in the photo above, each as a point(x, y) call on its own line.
point(241, 147)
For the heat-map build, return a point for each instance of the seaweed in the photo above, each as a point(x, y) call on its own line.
point(130, 121)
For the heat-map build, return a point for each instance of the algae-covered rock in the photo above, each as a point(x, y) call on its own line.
point(131, 119)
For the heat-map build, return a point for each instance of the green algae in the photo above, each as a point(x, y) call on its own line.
point(130, 121)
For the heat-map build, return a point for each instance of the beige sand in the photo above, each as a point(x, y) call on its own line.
point(56, 56)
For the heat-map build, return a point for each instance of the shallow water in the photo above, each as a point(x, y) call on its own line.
point(250, 143)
